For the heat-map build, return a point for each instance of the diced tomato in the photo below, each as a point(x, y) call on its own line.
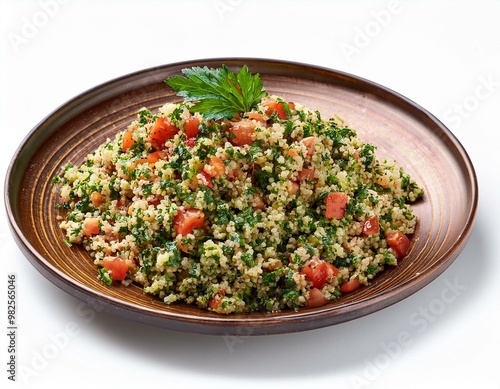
point(371, 226)
point(205, 179)
point(258, 202)
point(138, 161)
point(216, 301)
point(399, 242)
point(315, 298)
point(309, 142)
point(233, 174)
point(331, 270)
point(127, 141)
point(350, 286)
point(188, 219)
point(276, 107)
point(336, 203)
point(305, 174)
point(292, 152)
point(161, 131)
point(256, 116)
point(96, 198)
point(319, 272)
point(292, 188)
point(90, 227)
point(192, 126)
point(123, 203)
point(190, 142)
point(215, 167)
point(155, 200)
point(156, 156)
point(116, 266)
point(182, 246)
point(241, 133)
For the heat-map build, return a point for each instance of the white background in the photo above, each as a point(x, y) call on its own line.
point(444, 55)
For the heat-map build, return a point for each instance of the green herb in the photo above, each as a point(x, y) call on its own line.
point(141, 233)
point(389, 259)
point(237, 238)
point(247, 259)
point(137, 148)
point(372, 269)
point(338, 134)
point(247, 218)
point(223, 214)
point(204, 151)
point(288, 128)
point(218, 93)
point(270, 279)
point(368, 153)
point(63, 206)
point(77, 230)
point(147, 259)
point(344, 262)
point(263, 177)
point(84, 205)
point(113, 184)
point(228, 250)
point(104, 276)
point(175, 259)
point(147, 189)
point(175, 115)
point(255, 150)
point(57, 179)
point(145, 116)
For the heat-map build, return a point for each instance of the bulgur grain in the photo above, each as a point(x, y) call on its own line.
point(238, 227)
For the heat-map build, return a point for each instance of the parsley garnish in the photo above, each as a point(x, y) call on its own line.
point(218, 93)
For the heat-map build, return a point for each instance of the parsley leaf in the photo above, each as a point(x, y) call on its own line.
point(218, 93)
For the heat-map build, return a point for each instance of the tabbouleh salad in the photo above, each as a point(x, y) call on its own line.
point(263, 209)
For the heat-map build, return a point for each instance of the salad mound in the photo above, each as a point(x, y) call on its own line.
point(258, 207)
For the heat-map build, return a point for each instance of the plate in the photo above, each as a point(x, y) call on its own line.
point(399, 128)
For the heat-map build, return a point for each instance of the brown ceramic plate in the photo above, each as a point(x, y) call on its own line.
point(398, 127)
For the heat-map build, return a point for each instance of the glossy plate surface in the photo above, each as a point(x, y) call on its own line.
point(399, 128)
